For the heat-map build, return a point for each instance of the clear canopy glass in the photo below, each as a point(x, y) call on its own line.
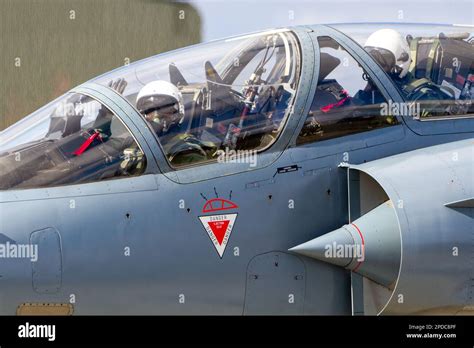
point(235, 94)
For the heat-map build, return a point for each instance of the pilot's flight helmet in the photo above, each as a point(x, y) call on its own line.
point(390, 50)
point(162, 99)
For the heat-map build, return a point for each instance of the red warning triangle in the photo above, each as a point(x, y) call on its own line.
point(219, 229)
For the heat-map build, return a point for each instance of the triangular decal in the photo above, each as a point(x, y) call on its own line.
point(219, 228)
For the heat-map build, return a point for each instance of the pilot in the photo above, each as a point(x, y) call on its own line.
point(392, 53)
point(391, 50)
point(162, 105)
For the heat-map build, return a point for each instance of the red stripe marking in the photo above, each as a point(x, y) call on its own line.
point(363, 246)
point(86, 144)
point(329, 107)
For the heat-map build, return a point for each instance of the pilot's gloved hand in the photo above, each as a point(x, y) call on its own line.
point(119, 85)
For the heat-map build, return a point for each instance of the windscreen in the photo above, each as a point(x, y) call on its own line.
point(73, 140)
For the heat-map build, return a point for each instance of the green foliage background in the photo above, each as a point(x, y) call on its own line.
point(58, 52)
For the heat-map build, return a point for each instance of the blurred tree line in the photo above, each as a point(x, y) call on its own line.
point(49, 46)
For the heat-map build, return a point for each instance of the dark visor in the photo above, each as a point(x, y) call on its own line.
point(384, 57)
point(161, 103)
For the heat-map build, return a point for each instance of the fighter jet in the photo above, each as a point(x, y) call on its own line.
point(324, 169)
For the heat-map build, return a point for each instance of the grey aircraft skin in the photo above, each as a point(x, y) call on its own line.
point(140, 245)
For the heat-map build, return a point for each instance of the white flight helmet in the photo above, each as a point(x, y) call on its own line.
point(163, 97)
point(391, 50)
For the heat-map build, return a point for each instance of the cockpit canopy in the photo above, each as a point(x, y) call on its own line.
point(235, 94)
